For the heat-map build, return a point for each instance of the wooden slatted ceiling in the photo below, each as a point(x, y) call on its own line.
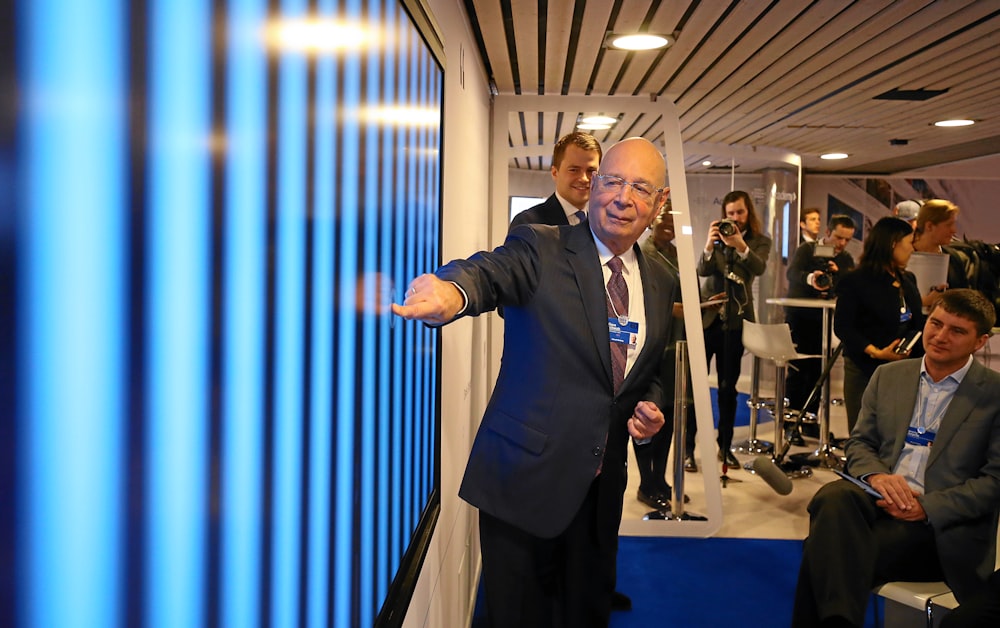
point(796, 74)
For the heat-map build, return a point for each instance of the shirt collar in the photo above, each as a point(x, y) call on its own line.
point(958, 375)
point(567, 207)
point(605, 254)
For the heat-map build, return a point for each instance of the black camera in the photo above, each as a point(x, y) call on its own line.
point(822, 255)
point(823, 281)
point(728, 227)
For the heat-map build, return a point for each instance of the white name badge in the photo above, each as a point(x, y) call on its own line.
point(627, 333)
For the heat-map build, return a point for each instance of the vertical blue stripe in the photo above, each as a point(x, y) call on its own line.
point(369, 321)
point(346, 332)
point(244, 307)
point(387, 220)
point(177, 331)
point(71, 311)
point(322, 317)
point(289, 329)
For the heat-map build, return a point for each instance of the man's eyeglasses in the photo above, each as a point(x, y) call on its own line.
point(611, 183)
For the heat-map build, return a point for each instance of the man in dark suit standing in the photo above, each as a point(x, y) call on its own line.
point(586, 319)
point(813, 273)
point(575, 159)
point(928, 440)
point(735, 254)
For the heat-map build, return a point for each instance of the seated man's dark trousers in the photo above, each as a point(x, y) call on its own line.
point(853, 545)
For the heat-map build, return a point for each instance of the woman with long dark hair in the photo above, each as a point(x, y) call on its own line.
point(878, 304)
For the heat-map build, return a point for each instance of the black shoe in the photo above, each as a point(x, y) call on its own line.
point(668, 494)
point(620, 602)
point(730, 460)
point(655, 500)
point(794, 437)
point(690, 465)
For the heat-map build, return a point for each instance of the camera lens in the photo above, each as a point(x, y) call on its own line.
point(727, 227)
point(823, 281)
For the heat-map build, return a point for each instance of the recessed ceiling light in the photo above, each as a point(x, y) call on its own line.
point(598, 119)
point(954, 122)
point(706, 163)
point(593, 127)
point(834, 156)
point(639, 41)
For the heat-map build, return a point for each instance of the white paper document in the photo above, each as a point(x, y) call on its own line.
point(931, 269)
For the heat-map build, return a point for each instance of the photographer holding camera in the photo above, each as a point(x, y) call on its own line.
point(812, 274)
point(735, 254)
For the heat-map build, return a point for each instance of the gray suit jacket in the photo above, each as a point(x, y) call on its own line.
point(962, 479)
point(553, 414)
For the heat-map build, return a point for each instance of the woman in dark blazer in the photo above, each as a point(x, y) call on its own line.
point(877, 304)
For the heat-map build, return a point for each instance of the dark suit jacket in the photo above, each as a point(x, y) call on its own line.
point(868, 313)
point(553, 412)
point(962, 479)
point(803, 264)
point(548, 213)
point(746, 269)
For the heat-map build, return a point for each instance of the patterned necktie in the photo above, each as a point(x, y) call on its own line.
point(617, 306)
point(580, 216)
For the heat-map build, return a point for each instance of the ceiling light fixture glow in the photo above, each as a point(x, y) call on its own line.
point(834, 156)
point(954, 122)
point(706, 163)
point(598, 119)
point(593, 127)
point(639, 41)
point(318, 36)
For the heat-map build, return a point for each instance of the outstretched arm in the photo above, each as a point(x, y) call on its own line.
point(431, 300)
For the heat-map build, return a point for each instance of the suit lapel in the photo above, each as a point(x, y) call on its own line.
point(959, 409)
point(581, 253)
point(653, 304)
point(906, 400)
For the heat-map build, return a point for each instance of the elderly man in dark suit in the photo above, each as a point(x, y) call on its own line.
point(927, 440)
point(586, 322)
point(575, 159)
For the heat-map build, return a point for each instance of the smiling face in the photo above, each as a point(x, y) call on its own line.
point(573, 174)
point(619, 217)
point(949, 340)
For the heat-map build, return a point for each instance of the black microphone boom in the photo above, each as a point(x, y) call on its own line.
point(771, 473)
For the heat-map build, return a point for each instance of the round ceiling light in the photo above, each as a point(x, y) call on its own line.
point(706, 163)
point(834, 156)
point(954, 122)
point(593, 127)
point(598, 119)
point(639, 41)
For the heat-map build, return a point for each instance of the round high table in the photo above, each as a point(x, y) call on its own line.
point(824, 454)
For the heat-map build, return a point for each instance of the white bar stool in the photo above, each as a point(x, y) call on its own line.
point(774, 342)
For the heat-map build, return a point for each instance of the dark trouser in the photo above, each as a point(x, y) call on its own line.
point(855, 381)
point(727, 347)
point(853, 545)
point(803, 374)
point(540, 583)
point(651, 458)
point(979, 611)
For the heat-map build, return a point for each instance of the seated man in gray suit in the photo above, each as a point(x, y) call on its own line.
point(928, 441)
point(586, 321)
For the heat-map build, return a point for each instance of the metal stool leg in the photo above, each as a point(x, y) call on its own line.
point(753, 445)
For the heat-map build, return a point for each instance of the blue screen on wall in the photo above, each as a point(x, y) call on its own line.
point(209, 415)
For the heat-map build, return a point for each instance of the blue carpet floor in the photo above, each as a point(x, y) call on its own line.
point(686, 582)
